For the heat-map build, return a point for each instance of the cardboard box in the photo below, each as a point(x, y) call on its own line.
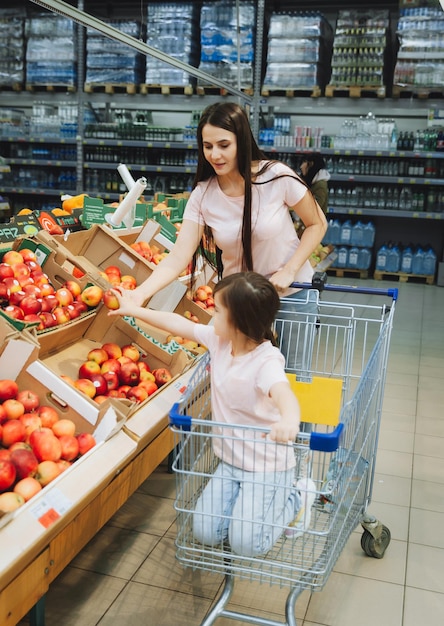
point(19, 361)
point(71, 351)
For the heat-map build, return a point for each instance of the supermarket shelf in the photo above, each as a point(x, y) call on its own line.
point(398, 180)
point(385, 213)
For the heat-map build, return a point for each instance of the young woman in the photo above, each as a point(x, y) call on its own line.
point(242, 202)
point(251, 497)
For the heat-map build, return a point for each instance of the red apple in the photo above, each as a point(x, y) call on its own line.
point(6, 271)
point(86, 442)
point(20, 270)
point(35, 320)
point(123, 389)
point(4, 294)
point(129, 374)
point(92, 295)
point(63, 465)
point(12, 285)
point(46, 447)
point(64, 426)
point(131, 352)
point(7, 474)
point(100, 383)
point(72, 311)
point(19, 445)
point(110, 300)
point(33, 290)
point(162, 376)
point(46, 289)
point(29, 399)
point(97, 354)
point(31, 421)
point(28, 255)
point(12, 257)
point(88, 369)
point(14, 311)
point(5, 454)
point(10, 501)
point(25, 463)
point(86, 386)
point(113, 269)
point(64, 296)
point(73, 286)
point(113, 350)
point(13, 408)
point(47, 471)
point(61, 315)
point(110, 365)
point(16, 297)
point(137, 394)
point(70, 447)
point(100, 399)
point(27, 487)
point(149, 385)
point(8, 389)
point(112, 380)
point(48, 415)
point(48, 319)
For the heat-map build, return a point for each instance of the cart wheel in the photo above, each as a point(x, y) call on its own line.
point(375, 547)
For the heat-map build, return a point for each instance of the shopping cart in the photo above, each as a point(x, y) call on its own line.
point(345, 351)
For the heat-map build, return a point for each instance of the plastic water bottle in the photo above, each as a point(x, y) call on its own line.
point(364, 259)
point(369, 235)
point(418, 261)
point(334, 232)
point(357, 235)
point(381, 258)
point(394, 258)
point(407, 260)
point(429, 262)
point(346, 232)
point(353, 257)
point(342, 260)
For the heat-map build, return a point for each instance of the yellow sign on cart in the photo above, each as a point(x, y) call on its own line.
point(320, 399)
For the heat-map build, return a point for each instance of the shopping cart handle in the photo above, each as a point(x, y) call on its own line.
point(319, 284)
point(179, 419)
point(326, 442)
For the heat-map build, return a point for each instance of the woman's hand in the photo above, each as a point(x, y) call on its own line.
point(282, 279)
point(128, 305)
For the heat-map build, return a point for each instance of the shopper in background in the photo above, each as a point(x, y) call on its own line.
point(252, 496)
point(241, 203)
point(315, 174)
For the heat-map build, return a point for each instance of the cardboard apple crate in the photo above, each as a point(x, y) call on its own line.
point(19, 361)
point(59, 267)
point(72, 351)
point(40, 519)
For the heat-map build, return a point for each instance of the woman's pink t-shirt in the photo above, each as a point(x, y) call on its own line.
point(240, 387)
point(274, 239)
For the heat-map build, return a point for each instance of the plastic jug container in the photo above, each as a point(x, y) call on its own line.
point(369, 235)
point(418, 261)
point(407, 260)
point(342, 260)
point(393, 259)
point(346, 233)
point(429, 262)
point(353, 257)
point(357, 236)
point(381, 258)
point(365, 258)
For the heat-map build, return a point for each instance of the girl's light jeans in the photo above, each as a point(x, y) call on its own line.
point(250, 509)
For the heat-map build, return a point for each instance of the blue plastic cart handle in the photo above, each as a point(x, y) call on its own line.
point(323, 442)
point(374, 291)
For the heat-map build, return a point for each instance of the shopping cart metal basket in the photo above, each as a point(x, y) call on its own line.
point(345, 351)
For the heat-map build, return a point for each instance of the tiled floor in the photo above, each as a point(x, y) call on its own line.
point(127, 575)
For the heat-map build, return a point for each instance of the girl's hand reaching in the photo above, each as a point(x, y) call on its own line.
point(128, 305)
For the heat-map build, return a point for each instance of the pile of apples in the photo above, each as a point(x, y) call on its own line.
point(150, 252)
point(112, 371)
point(26, 293)
point(36, 445)
point(203, 297)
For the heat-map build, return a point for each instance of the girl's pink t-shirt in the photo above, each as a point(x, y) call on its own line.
point(240, 387)
point(274, 238)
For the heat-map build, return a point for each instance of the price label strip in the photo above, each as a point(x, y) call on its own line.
point(51, 508)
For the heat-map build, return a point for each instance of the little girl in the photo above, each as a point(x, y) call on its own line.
point(251, 497)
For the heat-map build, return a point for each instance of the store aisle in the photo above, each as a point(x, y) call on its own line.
point(127, 575)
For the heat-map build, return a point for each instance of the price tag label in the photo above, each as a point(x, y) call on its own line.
point(51, 508)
